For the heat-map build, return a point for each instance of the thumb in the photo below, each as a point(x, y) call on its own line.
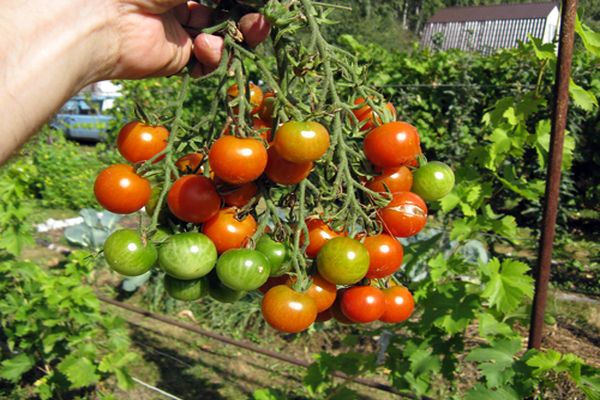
point(160, 6)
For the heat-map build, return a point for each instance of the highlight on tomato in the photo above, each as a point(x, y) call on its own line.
point(120, 190)
point(237, 160)
point(404, 216)
point(138, 142)
point(228, 231)
point(287, 310)
point(301, 141)
point(392, 144)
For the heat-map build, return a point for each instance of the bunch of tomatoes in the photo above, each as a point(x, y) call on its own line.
point(209, 242)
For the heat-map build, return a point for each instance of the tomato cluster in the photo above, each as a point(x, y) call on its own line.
point(215, 246)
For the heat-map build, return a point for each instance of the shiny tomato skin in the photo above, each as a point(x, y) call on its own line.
point(399, 305)
point(187, 255)
point(138, 142)
point(243, 269)
point(392, 180)
point(256, 96)
point(363, 304)
point(343, 261)
point(385, 255)
point(239, 196)
point(120, 190)
point(433, 181)
point(227, 232)
point(366, 114)
point(284, 172)
point(301, 142)
point(193, 198)
point(126, 253)
point(392, 144)
point(404, 216)
point(190, 164)
point(277, 253)
point(287, 310)
point(318, 234)
point(322, 292)
point(237, 160)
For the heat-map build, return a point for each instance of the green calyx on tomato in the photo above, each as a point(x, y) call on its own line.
point(343, 261)
point(188, 290)
point(187, 255)
point(277, 253)
point(433, 181)
point(126, 253)
point(243, 269)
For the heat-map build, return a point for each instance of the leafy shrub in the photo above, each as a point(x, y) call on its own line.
point(66, 170)
point(54, 339)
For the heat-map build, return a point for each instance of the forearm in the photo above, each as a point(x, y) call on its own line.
point(48, 54)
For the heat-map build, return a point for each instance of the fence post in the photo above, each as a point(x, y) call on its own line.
point(559, 123)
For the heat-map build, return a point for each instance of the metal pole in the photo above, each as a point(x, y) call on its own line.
point(559, 123)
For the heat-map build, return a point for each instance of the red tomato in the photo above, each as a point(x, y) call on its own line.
point(363, 303)
point(263, 129)
point(392, 144)
point(193, 198)
point(190, 164)
point(365, 113)
point(385, 255)
point(256, 96)
point(336, 310)
point(227, 232)
point(404, 216)
point(283, 172)
point(287, 310)
point(139, 142)
point(318, 234)
point(120, 190)
point(237, 160)
point(399, 304)
point(239, 196)
point(301, 142)
point(322, 292)
point(396, 179)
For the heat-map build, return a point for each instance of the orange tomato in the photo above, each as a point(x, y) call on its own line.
point(256, 96)
point(392, 144)
point(239, 196)
point(193, 198)
point(190, 164)
point(365, 114)
point(283, 172)
point(227, 232)
point(138, 142)
point(396, 179)
point(237, 160)
point(301, 142)
point(120, 190)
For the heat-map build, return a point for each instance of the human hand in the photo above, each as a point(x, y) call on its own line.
point(155, 37)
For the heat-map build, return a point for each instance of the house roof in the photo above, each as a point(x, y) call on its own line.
point(493, 12)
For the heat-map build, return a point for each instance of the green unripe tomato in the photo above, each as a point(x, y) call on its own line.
point(222, 293)
point(343, 261)
point(277, 254)
point(433, 181)
point(185, 290)
point(243, 269)
point(127, 254)
point(187, 255)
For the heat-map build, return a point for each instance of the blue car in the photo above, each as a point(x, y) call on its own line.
point(83, 118)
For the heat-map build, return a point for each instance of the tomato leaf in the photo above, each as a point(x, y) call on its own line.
point(13, 368)
point(79, 370)
point(582, 98)
point(507, 285)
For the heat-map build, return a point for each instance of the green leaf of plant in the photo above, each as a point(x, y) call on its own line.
point(13, 368)
point(490, 327)
point(480, 392)
point(508, 285)
point(582, 98)
point(79, 370)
